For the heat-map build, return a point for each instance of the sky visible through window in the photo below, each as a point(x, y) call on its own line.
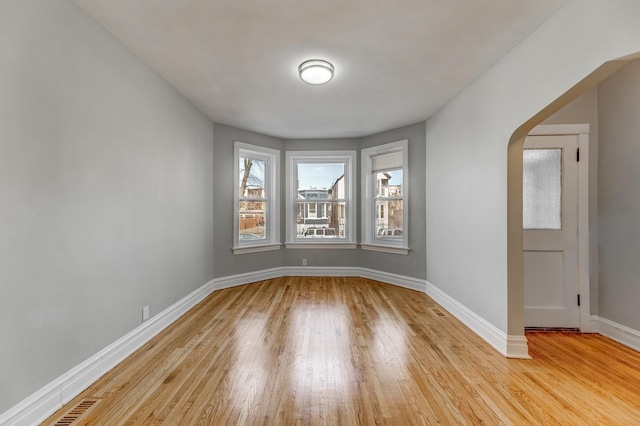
point(314, 175)
point(396, 177)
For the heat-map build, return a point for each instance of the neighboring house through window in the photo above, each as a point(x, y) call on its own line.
point(320, 193)
point(256, 201)
point(385, 198)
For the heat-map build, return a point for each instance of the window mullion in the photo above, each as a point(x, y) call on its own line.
point(389, 198)
point(323, 200)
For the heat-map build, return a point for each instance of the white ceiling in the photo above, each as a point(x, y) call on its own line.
point(397, 62)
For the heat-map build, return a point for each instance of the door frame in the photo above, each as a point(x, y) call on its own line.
point(582, 131)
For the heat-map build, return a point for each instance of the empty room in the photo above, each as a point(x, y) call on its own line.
point(341, 212)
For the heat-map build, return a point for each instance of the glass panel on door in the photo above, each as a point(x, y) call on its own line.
point(542, 189)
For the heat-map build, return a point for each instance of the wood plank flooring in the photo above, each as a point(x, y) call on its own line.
point(351, 351)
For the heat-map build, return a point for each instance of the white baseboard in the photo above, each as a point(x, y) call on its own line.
point(399, 280)
point(509, 346)
point(372, 274)
point(586, 323)
point(320, 271)
point(618, 332)
point(517, 347)
point(246, 278)
point(50, 398)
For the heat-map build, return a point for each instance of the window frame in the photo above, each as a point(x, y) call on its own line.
point(368, 199)
point(272, 198)
point(348, 158)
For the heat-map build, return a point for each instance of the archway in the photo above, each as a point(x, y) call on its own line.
point(515, 268)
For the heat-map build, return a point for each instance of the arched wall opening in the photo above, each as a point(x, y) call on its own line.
point(515, 260)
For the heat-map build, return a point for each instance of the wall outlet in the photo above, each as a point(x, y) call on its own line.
point(304, 262)
point(145, 313)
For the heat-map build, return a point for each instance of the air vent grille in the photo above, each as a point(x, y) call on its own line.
point(438, 312)
point(76, 413)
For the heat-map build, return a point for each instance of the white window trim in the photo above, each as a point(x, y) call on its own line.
point(367, 199)
point(272, 240)
point(349, 158)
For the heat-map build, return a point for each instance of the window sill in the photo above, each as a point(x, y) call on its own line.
point(320, 245)
point(385, 249)
point(256, 249)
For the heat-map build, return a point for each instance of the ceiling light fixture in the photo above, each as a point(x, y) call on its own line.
point(315, 71)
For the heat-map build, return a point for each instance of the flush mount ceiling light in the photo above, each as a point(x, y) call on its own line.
point(315, 71)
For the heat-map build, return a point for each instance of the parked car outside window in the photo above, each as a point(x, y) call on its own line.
point(249, 236)
point(320, 233)
point(390, 233)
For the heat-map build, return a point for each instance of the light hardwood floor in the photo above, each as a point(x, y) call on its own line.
point(349, 351)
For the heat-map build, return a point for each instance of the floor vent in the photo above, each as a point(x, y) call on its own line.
point(76, 413)
point(552, 329)
point(438, 312)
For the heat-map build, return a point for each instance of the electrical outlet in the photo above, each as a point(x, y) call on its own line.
point(304, 262)
point(145, 313)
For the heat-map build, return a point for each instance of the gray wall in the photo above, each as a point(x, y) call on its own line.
point(584, 109)
point(106, 176)
point(619, 200)
point(225, 263)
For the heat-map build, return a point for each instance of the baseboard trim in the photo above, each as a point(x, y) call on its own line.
point(50, 398)
point(517, 347)
point(615, 331)
point(246, 278)
point(509, 346)
point(320, 271)
point(394, 279)
point(586, 323)
point(372, 274)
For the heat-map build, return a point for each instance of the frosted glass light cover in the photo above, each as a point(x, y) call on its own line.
point(542, 189)
point(316, 71)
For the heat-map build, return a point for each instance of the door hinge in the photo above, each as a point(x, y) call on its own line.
point(578, 155)
point(578, 300)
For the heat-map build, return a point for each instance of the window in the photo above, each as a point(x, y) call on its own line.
point(385, 198)
point(256, 218)
point(320, 206)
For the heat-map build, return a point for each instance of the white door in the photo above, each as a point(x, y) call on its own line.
point(550, 223)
